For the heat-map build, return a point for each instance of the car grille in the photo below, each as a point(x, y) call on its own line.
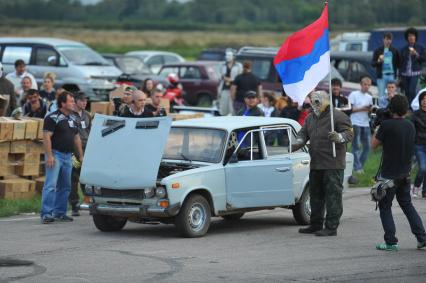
point(122, 194)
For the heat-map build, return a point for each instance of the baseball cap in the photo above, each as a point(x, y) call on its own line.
point(250, 93)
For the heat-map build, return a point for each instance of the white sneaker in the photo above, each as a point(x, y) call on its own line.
point(414, 191)
point(360, 171)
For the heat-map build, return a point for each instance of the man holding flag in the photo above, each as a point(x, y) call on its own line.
point(302, 62)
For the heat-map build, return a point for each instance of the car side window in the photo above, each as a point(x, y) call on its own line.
point(168, 70)
point(278, 141)
point(190, 73)
point(249, 147)
point(357, 71)
point(13, 53)
point(261, 68)
point(46, 57)
point(170, 59)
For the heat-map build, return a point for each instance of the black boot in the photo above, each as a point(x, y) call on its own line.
point(74, 210)
point(310, 229)
point(326, 232)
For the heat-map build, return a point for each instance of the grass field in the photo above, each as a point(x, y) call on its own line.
point(188, 44)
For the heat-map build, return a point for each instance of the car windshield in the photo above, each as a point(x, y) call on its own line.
point(132, 65)
point(194, 144)
point(82, 55)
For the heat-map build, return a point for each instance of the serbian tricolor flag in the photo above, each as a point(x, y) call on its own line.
point(304, 59)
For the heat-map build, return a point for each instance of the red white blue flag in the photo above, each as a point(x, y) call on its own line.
point(304, 58)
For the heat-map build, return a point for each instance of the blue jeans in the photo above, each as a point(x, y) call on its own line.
point(402, 192)
point(381, 85)
point(421, 159)
point(410, 87)
point(361, 137)
point(57, 186)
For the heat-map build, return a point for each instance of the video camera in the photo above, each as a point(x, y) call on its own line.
point(118, 100)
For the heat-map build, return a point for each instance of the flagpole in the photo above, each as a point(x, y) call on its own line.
point(330, 93)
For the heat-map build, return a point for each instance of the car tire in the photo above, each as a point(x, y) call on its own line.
point(107, 223)
point(193, 220)
point(204, 100)
point(233, 217)
point(302, 209)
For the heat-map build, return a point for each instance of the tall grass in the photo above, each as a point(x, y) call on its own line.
point(13, 207)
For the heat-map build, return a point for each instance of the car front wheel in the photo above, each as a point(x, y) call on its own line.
point(107, 223)
point(194, 217)
point(302, 210)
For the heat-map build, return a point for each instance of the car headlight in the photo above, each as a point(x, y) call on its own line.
point(88, 190)
point(149, 192)
point(160, 192)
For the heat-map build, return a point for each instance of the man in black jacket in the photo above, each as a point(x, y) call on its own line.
point(386, 59)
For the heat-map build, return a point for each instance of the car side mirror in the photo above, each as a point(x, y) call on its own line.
point(234, 158)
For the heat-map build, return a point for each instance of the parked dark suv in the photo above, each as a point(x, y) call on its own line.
point(353, 65)
point(263, 67)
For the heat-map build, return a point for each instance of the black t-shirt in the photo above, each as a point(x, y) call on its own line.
point(397, 137)
point(153, 109)
point(127, 112)
point(245, 82)
point(64, 129)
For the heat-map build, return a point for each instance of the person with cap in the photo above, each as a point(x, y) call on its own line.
point(84, 123)
point(243, 83)
point(7, 92)
point(397, 137)
point(35, 106)
point(326, 171)
point(229, 70)
point(250, 108)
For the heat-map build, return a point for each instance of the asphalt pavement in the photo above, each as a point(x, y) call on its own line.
point(263, 246)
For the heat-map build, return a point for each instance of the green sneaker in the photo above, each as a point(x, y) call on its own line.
point(387, 247)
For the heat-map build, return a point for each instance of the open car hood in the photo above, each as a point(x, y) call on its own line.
point(124, 153)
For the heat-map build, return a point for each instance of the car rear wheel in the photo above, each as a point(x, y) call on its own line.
point(194, 217)
point(233, 217)
point(107, 223)
point(302, 210)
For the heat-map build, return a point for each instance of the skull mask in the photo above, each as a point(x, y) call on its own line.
point(320, 101)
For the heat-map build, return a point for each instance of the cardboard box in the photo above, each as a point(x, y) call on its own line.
point(177, 117)
point(17, 189)
point(35, 147)
point(5, 146)
point(31, 129)
point(6, 129)
point(19, 128)
point(39, 127)
point(39, 184)
point(18, 146)
point(102, 107)
point(27, 164)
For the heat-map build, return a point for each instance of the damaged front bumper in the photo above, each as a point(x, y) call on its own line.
point(131, 210)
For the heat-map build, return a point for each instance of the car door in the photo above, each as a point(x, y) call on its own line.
point(255, 181)
point(47, 59)
point(190, 78)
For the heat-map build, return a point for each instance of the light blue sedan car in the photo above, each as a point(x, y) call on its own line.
point(185, 172)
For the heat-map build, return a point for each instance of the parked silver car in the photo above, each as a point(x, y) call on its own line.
point(150, 170)
point(77, 67)
point(154, 60)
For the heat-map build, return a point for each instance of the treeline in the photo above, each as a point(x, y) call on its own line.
point(236, 15)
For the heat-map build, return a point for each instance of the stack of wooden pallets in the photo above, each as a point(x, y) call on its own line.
point(21, 150)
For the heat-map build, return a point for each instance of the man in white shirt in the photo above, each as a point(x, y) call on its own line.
point(361, 102)
point(229, 70)
point(17, 76)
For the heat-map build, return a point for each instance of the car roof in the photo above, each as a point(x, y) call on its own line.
point(193, 63)
point(151, 52)
point(39, 40)
point(352, 54)
point(258, 51)
point(230, 123)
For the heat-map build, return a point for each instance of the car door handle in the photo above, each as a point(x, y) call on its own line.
point(282, 169)
point(305, 162)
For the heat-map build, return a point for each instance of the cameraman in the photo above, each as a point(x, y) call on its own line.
point(384, 113)
point(397, 136)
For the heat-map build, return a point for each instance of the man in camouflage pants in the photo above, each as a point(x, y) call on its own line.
point(326, 174)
